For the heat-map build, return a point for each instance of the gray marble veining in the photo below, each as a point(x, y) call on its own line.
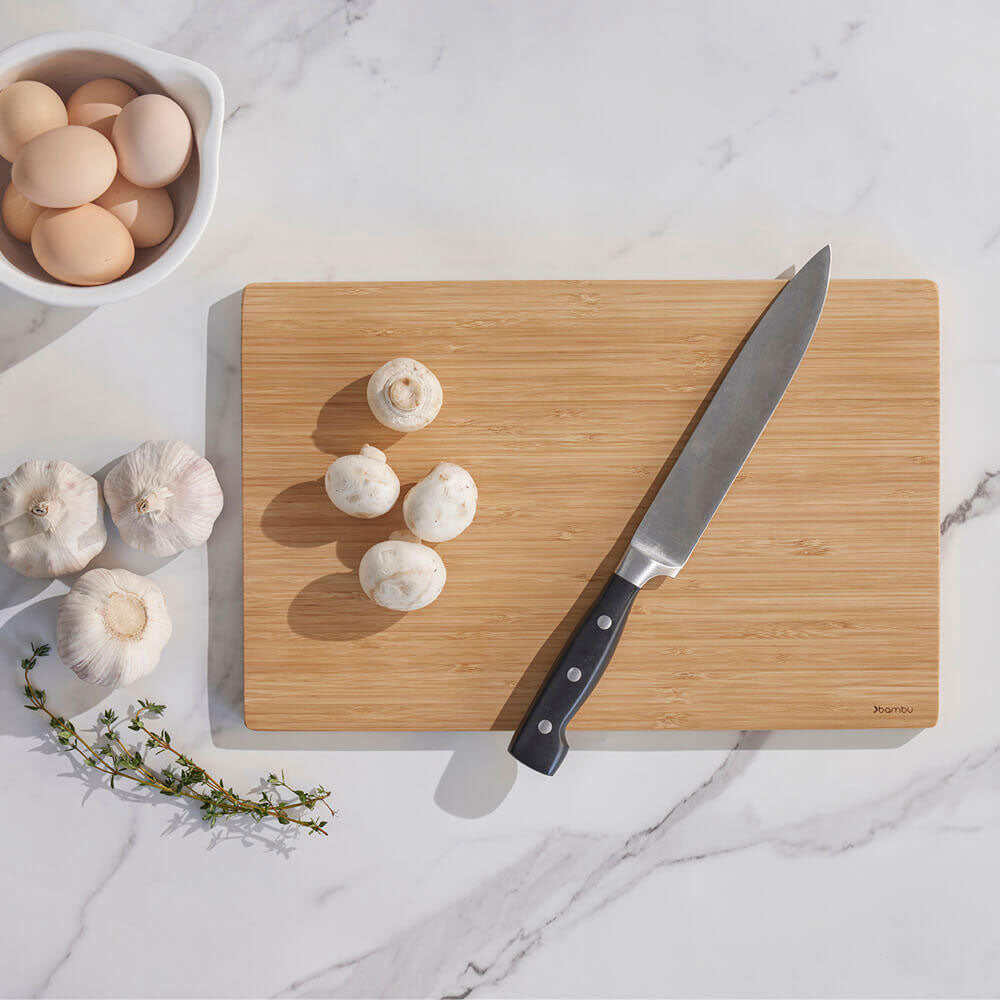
point(468, 139)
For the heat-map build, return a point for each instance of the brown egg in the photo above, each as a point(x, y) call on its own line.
point(19, 214)
point(27, 109)
point(96, 104)
point(65, 167)
point(147, 213)
point(82, 246)
point(152, 137)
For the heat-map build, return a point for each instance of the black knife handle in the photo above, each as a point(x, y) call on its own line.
point(540, 740)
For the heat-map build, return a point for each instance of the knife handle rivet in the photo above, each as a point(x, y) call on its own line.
point(574, 674)
point(545, 727)
point(604, 623)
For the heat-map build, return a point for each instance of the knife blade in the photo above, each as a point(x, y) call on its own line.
point(679, 514)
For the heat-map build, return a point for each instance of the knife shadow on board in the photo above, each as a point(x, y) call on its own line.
point(514, 709)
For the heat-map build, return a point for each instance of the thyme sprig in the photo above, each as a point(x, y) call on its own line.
point(181, 777)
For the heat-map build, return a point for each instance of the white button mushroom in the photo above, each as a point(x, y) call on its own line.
point(401, 574)
point(362, 485)
point(404, 395)
point(442, 505)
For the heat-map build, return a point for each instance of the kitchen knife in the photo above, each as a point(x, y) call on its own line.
point(681, 510)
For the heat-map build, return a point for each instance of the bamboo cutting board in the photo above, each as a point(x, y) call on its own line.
point(810, 602)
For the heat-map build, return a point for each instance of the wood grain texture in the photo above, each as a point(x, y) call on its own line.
point(811, 599)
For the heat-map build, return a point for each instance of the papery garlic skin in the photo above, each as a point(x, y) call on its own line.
point(51, 519)
point(112, 627)
point(163, 497)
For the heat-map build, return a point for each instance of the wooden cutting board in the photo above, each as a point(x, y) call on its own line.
point(810, 602)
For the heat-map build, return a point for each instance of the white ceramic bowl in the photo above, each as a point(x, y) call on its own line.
point(66, 59)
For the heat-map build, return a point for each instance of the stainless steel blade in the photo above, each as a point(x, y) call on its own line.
point(729, 428)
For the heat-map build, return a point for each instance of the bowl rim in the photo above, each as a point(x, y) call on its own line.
point(152, 61)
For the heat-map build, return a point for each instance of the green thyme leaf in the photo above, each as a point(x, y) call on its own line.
point(214, 798)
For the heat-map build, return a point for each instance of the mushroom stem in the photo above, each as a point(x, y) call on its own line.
point(404, 535)
point(405, 394)
point(154, 500)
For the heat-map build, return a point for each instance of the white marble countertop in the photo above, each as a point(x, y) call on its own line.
point(468, 139)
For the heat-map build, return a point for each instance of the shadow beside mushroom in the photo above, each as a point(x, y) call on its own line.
point(308, 614)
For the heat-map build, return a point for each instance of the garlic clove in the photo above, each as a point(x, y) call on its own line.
point(112, 627)
point(404, 395)
point(402, 575)
point(51, 519)
point(442, 505)
point(362, 485)
point(164, 497)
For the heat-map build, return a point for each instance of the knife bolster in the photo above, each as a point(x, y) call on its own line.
point(639, 569)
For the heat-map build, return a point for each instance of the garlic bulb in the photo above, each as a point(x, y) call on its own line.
point(442, 505)
point(401, 574)
point(51, 519)
point(362, 485)
point(404, 395)
point(164, 497)
point(112, 627)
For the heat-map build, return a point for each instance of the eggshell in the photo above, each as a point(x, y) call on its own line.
point(27, 109)
point(65, 167)
point(19, 214)
point(82, 246)
point(147, 213)
point(152, 137)
point(96, 104)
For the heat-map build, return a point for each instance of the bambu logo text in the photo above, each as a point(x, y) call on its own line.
point(893, 709)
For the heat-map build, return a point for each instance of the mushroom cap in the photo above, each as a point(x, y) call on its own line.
point(404, 395)
point(362, 485)
point(401, 575)
point(442, 505)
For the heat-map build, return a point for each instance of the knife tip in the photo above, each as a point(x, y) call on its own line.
point(819, 261)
